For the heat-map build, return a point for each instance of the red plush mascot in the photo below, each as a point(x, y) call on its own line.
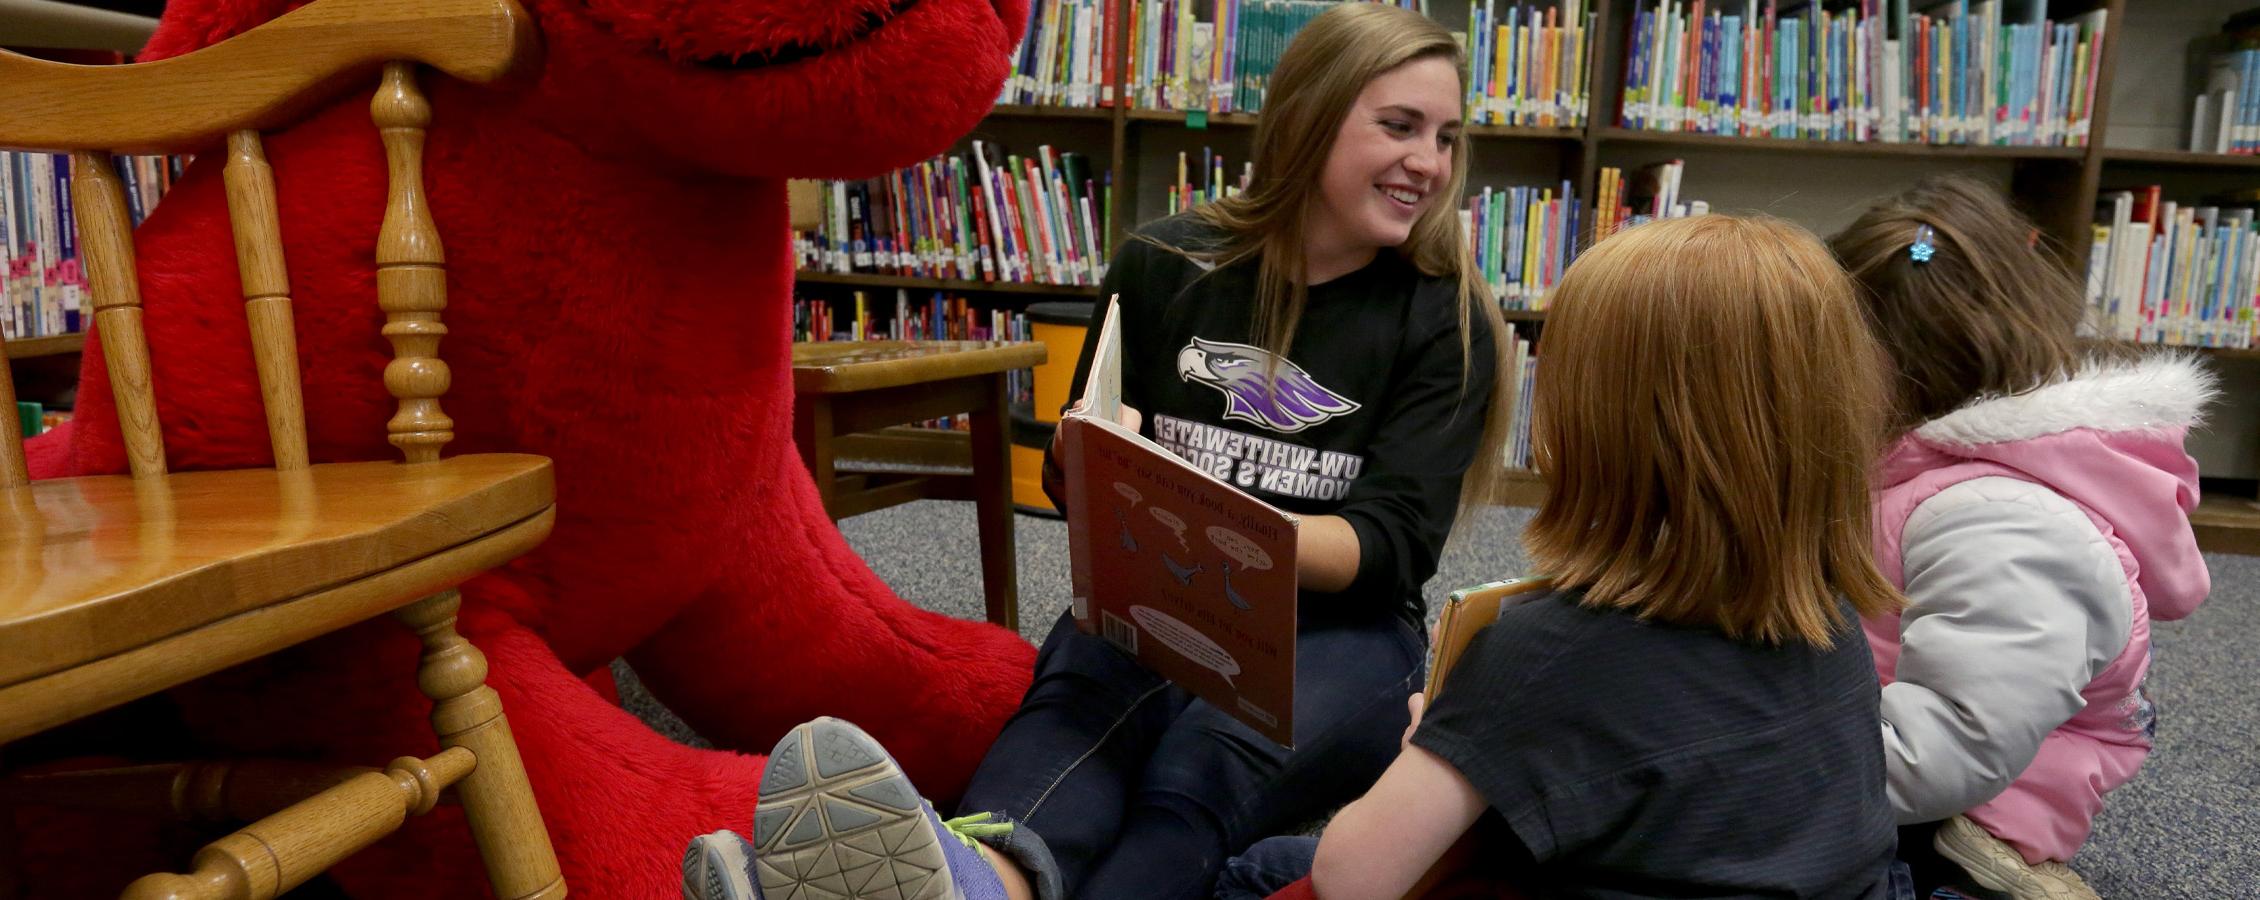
point(620, 272)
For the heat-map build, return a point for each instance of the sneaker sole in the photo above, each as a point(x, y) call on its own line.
point(714, 868)
point(838, 821)
point(1990, 872)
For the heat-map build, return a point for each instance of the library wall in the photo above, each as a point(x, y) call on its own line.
point(2156, 75)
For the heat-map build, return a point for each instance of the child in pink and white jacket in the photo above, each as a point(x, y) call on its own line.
point(2034, 508)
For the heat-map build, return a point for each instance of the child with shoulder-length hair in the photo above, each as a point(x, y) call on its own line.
point(2035, 509)
point(1691, 711)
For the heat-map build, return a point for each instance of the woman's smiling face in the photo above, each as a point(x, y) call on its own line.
point(1391, 157)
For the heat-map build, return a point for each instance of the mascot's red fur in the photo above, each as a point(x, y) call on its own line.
point(619, 273)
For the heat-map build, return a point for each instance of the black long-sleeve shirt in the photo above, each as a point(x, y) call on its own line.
point(1371, 420)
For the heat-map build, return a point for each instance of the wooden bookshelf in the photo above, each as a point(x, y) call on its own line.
point(1247, 120)
point(1066, 113)
point(56, 345)
point(1181, 117)
point(945, 284)
point(2220, 352)
point(1835, 148)
point(2227, 523)
point(2181, 159)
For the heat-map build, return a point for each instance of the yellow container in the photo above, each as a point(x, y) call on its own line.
point(1061, 326)
point(1028, 480)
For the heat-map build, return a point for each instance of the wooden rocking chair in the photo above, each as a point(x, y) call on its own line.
point(113, 588)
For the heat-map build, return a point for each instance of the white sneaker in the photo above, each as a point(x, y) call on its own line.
point(719, 866)
point(1998, 866)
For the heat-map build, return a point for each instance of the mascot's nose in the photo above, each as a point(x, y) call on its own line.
point(1192, 363)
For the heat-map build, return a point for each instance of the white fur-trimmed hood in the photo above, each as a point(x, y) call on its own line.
point(2152, 393)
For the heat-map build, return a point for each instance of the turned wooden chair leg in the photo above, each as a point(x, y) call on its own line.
point(284, 850)
point(496, 797)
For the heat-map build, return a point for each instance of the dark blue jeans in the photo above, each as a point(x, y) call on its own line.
point(1272, 864)
point(1141, 791)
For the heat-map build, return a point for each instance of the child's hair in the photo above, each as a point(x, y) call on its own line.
point(1316, 81)
point(1705, 417)
point(1987, 314)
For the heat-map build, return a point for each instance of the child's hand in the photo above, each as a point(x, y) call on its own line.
point(1418, 703)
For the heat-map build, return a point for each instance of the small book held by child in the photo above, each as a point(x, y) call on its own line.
point(1467, 612)
point(1192, 576)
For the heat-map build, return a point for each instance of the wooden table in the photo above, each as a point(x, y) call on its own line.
point(844, 391)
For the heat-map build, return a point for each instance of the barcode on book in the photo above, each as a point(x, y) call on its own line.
point(1257, 711)
point(1118, 632)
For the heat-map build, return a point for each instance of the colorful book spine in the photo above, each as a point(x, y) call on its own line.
point(1066, 58)
point(1522, 239)
point(939, 316)
point(1208, 181)
point(1957, 72)
point(2160, 272)
point(998, 218)
point(1527, 64)
point(43, 287)
point(1217, 56)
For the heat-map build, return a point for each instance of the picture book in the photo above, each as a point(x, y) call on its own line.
point(1190, 575)
point(1467, 612)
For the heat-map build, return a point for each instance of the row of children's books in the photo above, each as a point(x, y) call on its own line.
point(1067, 56)
point(1223, 64)
point(1650, 192)
point(1527, 61)
point(1528, 64)
point(942, 316)
point(1953, 72)
point(2161, 272)
point(1521, 239)
point(42, 284)
point(983, 216)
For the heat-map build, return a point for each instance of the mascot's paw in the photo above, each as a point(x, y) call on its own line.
point(49, 455)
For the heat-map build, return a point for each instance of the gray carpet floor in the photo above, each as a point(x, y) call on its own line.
point(2188, 826)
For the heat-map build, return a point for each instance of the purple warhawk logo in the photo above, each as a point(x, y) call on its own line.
point(1296, 401)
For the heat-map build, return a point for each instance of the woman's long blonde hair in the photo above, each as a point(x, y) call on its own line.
point(1318, 78)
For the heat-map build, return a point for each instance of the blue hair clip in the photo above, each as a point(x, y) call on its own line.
point(1923, 249)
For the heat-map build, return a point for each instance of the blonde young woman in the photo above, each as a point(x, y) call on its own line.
point(1328, 310)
